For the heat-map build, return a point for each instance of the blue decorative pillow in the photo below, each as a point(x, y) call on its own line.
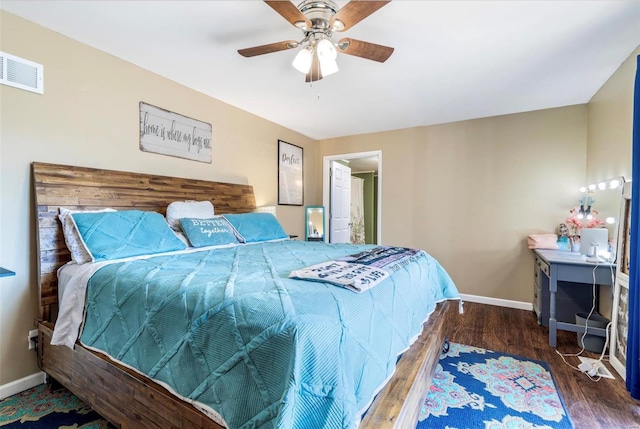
point(253, 227)
point(115, 235)
point(208, 232)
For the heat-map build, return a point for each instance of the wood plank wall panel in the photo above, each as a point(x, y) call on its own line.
point(74, 187)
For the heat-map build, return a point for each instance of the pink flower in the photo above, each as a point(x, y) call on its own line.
point(594, 223)
point(575, 225)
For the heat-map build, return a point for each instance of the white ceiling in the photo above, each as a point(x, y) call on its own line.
point(363, 165)
point(453, 60)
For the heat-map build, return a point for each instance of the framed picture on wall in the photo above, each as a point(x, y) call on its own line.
point(290, 174)
point(172, 134)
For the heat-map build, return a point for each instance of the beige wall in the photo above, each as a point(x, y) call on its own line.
point(467, 192)
point(611, 124)
point(609, 137)
point(88, 116)
point(470, 192)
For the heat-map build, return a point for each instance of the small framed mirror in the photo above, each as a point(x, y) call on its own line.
point(314, 220)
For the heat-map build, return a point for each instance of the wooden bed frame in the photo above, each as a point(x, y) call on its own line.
point(122, 396)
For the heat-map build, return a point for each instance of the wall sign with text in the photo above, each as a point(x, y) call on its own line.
point(290, 174)
point(169, 133)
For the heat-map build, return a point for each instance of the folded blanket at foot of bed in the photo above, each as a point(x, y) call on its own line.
point(360, 271)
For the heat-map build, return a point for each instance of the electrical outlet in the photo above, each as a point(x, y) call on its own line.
point(585, 366)
point(32, 337)
point(594, 368)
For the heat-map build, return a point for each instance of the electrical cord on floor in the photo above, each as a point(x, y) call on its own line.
point(590, 369)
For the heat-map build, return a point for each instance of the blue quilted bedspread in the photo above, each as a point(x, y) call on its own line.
point(228, 329)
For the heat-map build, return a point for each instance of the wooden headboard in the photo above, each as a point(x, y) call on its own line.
point(89, 188)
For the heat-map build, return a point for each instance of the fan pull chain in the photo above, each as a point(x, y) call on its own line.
point(318, 88)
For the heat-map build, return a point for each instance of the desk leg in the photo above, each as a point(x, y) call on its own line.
point(553, 288)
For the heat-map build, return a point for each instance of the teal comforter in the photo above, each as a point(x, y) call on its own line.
point(228, 329)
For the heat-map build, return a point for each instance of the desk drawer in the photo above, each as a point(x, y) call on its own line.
point(542, 265)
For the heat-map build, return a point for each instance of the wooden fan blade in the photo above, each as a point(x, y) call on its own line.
point(267, 49)
point(314, 73)
point(367, 50)
point(288, 11)
point(354, 12)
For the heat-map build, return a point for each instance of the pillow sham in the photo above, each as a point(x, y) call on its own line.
point(121, 234)
point(79, 253)
point(191, 209)
point(254, 227)
point(208, 232)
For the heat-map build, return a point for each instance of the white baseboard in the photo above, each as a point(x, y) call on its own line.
point(22, 384)
point(497, 301)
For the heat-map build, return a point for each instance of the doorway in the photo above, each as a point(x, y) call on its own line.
point(360, 162)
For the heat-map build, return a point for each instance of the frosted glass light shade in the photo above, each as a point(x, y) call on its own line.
point(302, 61)
point(328, 67)
point(326, 50)
point(327, 55)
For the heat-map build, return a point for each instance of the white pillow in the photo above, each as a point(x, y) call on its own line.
point(192, 209)
point(182, 237)
point(79, 252)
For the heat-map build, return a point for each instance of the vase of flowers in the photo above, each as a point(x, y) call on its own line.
point(576, 221)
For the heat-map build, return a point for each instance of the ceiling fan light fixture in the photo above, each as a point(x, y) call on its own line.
point(326, 50)
point(328, 67)
point(318, 20)
point(302, 61)
point(327, 55)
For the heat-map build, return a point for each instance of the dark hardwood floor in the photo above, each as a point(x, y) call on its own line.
point(605, 404)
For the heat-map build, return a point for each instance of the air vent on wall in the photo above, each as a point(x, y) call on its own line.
point(21, 73)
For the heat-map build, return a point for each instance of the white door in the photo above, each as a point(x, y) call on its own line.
point(340, 220)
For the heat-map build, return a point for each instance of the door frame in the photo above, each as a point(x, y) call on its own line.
point(326, 185)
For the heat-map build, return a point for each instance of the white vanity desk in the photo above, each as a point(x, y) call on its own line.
point(554, 266)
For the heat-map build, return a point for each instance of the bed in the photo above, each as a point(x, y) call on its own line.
point(135, 400)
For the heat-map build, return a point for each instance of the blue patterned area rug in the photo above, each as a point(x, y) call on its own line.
point(39, 408)
point(479, 388)
point(472, 388)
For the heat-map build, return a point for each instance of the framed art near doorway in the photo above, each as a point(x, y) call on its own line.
point(290, 174)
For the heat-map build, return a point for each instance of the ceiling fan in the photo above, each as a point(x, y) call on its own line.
point(318, 20)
